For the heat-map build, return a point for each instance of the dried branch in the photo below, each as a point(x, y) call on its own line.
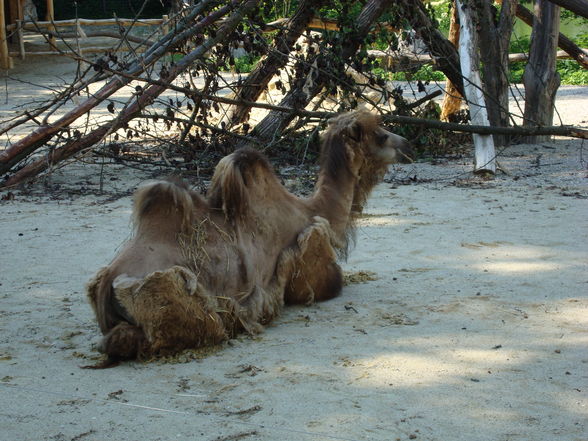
point(142, 100)
point(27, 145)
point(274, 123)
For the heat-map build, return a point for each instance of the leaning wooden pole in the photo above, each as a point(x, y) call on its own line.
point(485, 156)
point(135, 107)
point(37, 138)
point(277, 57)
point(275, 122)
point(579, 7)
point(443, 52)
point(573, 50)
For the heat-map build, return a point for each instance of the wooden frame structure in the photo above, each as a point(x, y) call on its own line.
point(14, 14)
point(13, 23)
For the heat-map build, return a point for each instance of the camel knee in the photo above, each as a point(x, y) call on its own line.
point(331, 284)
point(308, 286)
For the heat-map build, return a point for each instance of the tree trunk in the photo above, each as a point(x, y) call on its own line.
point(277, 58)
point(541, 80)
point(494, 39)
point(579, 7)
point(452, 99)
point(562, 41)
point(140, 102)
point(298, 98)
point(468, 46)
point(447, 57)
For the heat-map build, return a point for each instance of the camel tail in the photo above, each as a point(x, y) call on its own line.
point(122, 340)
point(232, 177)
point(99, 292)
point(165, 204)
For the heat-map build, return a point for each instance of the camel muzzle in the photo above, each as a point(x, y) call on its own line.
point(406, 154)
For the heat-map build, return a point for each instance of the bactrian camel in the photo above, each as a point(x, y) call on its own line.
point(199, 270)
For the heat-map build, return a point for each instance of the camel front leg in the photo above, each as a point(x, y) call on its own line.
point(316, 275)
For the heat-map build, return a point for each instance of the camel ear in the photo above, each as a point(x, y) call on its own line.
point(354, 131)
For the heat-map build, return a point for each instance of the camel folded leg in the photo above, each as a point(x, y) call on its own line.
point(168, 311)
point(316, 276)
point(172, 310)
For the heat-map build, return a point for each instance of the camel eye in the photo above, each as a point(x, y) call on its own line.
point(381, 138)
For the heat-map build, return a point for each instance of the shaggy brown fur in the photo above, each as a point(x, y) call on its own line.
point(198, 270)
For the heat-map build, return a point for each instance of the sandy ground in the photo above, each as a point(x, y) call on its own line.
point(475, 326)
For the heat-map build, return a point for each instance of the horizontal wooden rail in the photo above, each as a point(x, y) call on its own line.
point(83, 50)
point(82, 21)
point(395, 56)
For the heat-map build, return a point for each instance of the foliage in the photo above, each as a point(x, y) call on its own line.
point(442, 14)
point(430, 143)
point(425, 73)
point(520, 45)
point(571, 73)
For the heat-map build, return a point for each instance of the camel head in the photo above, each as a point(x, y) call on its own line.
point(355, 155)
point(356, 142)
point(367, 142)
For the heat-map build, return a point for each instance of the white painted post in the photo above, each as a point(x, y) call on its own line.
point(485, 156)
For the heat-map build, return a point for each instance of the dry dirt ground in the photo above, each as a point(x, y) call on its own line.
point(470, 322)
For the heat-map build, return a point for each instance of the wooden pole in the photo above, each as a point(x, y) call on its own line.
point(86, 22)
point(579, 7)
point(20, 38)
point(165, 24)
point(540, 78)
point(485, 156)
point(51, 18)
point(5, 60)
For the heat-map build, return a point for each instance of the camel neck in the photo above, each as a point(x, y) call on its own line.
point(333, 200)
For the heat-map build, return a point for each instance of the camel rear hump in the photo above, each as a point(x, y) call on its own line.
point(164, 205)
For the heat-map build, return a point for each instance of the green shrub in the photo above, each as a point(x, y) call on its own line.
point(425, 73)
point(572, 73)
point(245, 64)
